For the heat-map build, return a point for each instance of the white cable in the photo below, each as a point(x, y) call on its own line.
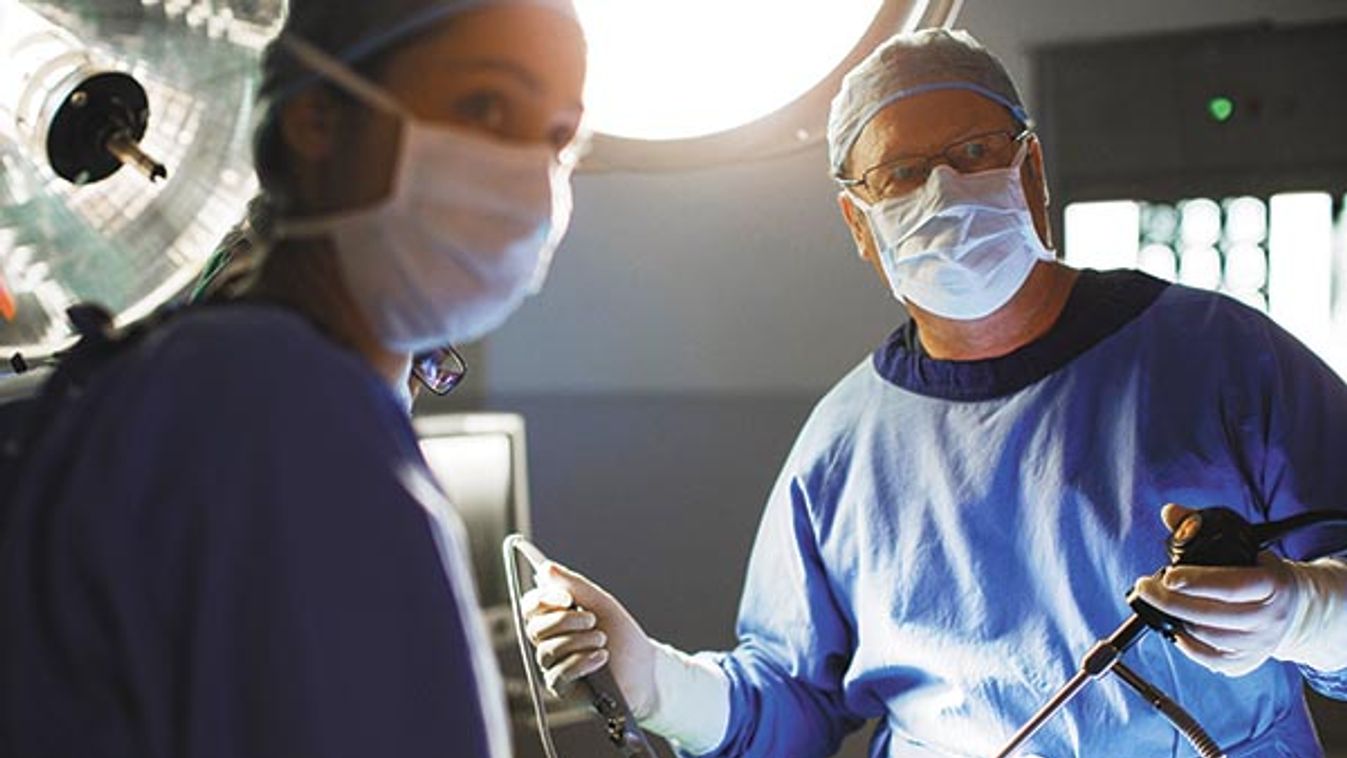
point(513, 543)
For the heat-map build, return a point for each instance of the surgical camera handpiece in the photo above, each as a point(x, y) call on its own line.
point(599, 688)
point(1210, 537)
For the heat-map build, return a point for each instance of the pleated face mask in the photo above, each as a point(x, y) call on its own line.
point(961, 245)
point(467, 232)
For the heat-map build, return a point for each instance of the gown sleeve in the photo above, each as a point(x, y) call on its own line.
point(1298, 432)
point(795, 642)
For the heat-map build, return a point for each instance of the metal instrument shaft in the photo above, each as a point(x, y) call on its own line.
point(1099, 661)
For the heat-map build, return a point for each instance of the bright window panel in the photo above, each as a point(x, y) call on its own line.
point(1340, 274)
point(1300, 275)
point(1200, 223)
point(1200, 267)
point(1160, 261)
point(1285, 256)
point(1246, 221)
point(1245, 268)
point(1103, 235)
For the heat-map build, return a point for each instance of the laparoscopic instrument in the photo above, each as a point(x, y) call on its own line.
point(599, 688)
point(1210, 537)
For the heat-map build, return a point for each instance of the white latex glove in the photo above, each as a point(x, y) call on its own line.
point(1237, 618)
point(577, 628)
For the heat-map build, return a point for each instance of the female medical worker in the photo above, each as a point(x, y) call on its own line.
point(229, 544)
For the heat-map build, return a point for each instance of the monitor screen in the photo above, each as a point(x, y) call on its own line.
point(478, 459)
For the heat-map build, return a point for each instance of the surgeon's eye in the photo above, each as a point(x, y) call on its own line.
point(486, 110)
point(979, 153)
point(974, 150)
point(908, 172)
point(897, 178)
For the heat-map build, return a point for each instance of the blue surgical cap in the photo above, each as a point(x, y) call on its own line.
point(352, 30)
point(909, 64)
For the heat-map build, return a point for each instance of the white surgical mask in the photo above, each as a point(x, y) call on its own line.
point(467, 232)
point(962, 245)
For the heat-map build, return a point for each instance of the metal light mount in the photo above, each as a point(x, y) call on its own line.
point(61, 102)
point(97, 129)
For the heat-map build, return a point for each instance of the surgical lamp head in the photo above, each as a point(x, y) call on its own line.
point(910, 64)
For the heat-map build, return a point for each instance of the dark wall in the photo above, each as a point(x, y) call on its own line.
point(658, 497)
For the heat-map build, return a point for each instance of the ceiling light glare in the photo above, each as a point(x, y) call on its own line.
point(666, 70)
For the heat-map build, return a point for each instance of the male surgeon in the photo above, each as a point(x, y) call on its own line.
point(962, 514)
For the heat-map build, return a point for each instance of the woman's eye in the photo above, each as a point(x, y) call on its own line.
point(485, 109)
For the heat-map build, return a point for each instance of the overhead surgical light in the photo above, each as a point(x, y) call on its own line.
point(674, 84)
point(88, 86)
point(673, 70)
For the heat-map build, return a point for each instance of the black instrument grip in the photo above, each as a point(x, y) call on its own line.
point(1216, 536)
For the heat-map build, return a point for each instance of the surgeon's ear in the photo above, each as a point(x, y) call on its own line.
point(1035, 180)
point(1035, 176)
point(309, 124)
point(859, 227)
point(861, 235)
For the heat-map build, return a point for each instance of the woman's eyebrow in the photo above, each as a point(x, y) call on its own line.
point(513, 70)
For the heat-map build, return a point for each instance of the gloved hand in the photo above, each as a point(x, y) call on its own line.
point(682, 698)
point(573, 643)
point(1237, 618)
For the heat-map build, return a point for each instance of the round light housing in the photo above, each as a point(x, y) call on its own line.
point(678, 85)
point(664, 70)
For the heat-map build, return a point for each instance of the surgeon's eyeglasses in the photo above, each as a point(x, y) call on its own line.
point(439, 370)
point(900, 176)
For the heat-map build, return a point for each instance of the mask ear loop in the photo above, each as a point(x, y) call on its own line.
point(1023, 153)
point(1043, 252)
point(340, 74)
point(563, 205)
point(868, 210)
point(259, 245)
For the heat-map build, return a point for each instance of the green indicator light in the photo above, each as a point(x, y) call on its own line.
point(1221, 109)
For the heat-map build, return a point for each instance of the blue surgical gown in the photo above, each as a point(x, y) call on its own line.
point(230, 546)
point(947, 539)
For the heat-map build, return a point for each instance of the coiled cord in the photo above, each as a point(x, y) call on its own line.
point(1181, 719)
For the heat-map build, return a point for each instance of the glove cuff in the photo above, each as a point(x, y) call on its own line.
point(1318, 625)
point(692, 701)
